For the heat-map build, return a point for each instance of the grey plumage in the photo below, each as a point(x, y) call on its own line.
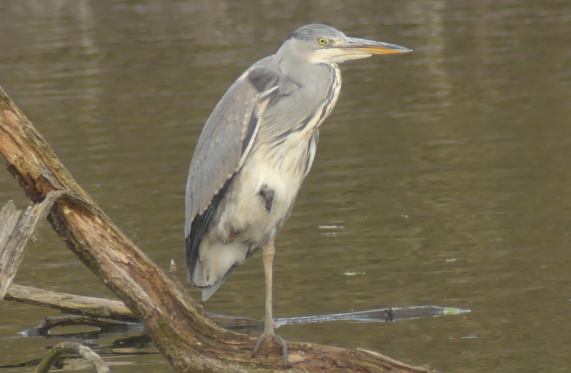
point(235, 120)
point(263, 94)
point(255, 150)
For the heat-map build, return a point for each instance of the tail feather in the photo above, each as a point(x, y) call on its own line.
point(208, 291)
point(216, 262)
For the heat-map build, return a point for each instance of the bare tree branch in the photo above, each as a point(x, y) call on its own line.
point(100, 307)
point(75, 304)
point(16, 229)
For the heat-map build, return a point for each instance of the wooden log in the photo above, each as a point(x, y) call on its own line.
point(102, 308)
point(16, 230)
point(177, 325)
point(70, 303)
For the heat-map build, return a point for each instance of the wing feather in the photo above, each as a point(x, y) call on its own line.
point(224, 144)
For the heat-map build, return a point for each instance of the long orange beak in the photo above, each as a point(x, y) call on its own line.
point(374, 47)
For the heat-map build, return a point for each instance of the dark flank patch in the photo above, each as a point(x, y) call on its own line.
point(263, 79)
point(267, 196)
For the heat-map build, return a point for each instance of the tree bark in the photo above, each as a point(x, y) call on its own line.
point(178, 326)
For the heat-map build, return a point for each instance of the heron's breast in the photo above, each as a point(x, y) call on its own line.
point(277, 173)
point(262, 195)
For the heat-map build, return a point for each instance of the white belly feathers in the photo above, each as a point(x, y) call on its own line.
point(266, 188)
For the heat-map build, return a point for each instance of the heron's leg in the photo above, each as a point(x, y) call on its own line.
point(268, 258)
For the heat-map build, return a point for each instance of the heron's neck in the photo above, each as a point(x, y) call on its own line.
point(302, 71)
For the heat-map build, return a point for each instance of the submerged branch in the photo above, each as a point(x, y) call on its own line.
point(103, 325)
point(71, 347)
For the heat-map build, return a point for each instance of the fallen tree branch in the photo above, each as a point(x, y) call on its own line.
point(16, 229)
point(71, 347)
point(69, 303)
point(95, 308)
point(176, 323)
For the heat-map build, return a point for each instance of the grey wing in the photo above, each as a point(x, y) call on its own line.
point(222, 147)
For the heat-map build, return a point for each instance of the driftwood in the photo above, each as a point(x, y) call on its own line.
point(98, 309)
point(16, 229)
point(178, 325)
point(69, 303)
point(71, 347)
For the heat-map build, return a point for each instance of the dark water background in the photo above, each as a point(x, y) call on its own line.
point(442, 176)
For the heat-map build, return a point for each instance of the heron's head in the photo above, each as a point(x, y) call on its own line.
point(324, 44)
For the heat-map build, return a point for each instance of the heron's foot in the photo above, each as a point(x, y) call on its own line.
point(277, 339)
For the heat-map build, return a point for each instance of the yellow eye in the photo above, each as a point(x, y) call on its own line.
point(323, 41)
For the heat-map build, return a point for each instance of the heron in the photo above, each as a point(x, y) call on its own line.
point(255, 150)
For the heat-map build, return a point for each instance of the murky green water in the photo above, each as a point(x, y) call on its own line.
point(442, 176)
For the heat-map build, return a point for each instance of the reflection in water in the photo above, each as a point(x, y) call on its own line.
point(445, 172)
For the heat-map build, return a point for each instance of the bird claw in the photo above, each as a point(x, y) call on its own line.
point(279, 341)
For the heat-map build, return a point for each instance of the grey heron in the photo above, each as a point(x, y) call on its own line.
point(254, 151)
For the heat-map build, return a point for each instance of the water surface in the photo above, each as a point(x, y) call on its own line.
point(442, 176)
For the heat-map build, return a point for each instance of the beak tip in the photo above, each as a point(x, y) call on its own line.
point(401, 49)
